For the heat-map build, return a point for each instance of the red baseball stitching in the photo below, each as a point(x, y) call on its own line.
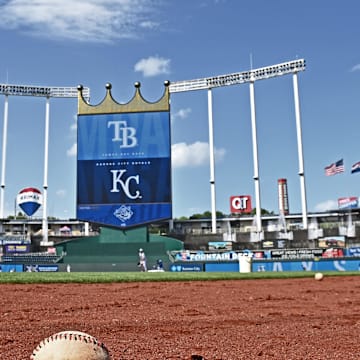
point(69, 336)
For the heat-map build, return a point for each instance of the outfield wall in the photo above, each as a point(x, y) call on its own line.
point(338, 264)
point(323, 265)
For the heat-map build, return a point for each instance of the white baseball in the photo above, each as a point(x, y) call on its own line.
point(319, 276)
point(70, 345)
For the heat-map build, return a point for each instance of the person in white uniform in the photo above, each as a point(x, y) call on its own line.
point(142, 260)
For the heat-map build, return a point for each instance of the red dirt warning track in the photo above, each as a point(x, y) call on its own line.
point(229, 320)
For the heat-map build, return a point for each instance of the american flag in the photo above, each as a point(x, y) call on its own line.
point(335, 168)
point(355, 168)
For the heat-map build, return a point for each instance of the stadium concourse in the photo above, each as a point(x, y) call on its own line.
point(297, 319)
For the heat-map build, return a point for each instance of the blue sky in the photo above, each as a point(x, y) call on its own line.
point(66, 43)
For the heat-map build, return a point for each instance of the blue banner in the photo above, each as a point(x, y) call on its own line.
point(124, 168)
point(17, 248)
point(186, 268)
point(307, 265)
point(11, 268)
point(41, 268)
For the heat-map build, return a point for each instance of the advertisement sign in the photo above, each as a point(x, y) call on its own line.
point(186, 268)
point(296, 253)
point(29, 200)
point(11, 249)
point(306, 265)
point(124, 163)
point(14, 240)
point(332, 241)
point(354, 251)
point(200, 256)
point(258, 254)
point(267, 244)
point(350, 202)
point(220, 245)
point(240, 204)
point(41, 268)
point(333, 252)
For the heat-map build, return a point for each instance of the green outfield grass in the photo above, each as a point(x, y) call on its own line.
point(115, 277)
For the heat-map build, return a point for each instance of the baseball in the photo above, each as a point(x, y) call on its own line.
point(70, 345)
point(319, 276)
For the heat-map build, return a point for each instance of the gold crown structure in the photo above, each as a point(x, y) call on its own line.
point(136, 104)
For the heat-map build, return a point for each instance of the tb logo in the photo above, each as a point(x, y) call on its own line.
point(124, 134)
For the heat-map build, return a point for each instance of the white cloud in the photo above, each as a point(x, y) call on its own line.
point(192, 155)
point(61, 193)
point(72, 151)
point(181, 114)
point(326, 206)
point(73, 126)
point(149, 24)
point(152, 66)
point(81, 20)
point(356, 67)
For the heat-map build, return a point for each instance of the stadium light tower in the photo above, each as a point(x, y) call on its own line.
point(34, 91)
point(268, 72)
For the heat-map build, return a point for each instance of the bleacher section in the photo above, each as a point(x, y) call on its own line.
point(14, 239)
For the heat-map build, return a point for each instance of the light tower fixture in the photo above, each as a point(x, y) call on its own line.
point(243, 77)
point(250, 76)
point(42, 91)
point(34, 91)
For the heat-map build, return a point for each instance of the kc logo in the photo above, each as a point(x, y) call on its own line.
point(124, 134)
point(124, 183)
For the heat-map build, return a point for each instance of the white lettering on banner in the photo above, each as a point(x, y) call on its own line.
point(277, 266)
point(209, 257)
point(307, 266)
point(29, 196)
point(338, 265)
point(125, 184)
point(226, 256)
point(239, 203)
point(124, 134)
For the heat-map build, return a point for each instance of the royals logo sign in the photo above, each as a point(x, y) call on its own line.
point(124, 165)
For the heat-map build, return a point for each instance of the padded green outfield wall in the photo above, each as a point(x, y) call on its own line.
point(137, 235)
point(117, 250)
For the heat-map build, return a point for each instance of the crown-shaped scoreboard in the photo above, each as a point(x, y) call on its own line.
point(124, 160)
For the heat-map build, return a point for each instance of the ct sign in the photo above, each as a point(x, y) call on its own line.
point(240, 204)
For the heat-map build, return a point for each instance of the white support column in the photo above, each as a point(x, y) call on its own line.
point(212, 163)
point(3, 162)
point(255, 156)
point(300, 151)
point(34, 91)
point(45, 186)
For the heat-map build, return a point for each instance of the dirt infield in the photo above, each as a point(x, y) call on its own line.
point(229, 320)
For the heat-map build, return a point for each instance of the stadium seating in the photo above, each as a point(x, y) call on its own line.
point(31, 258)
